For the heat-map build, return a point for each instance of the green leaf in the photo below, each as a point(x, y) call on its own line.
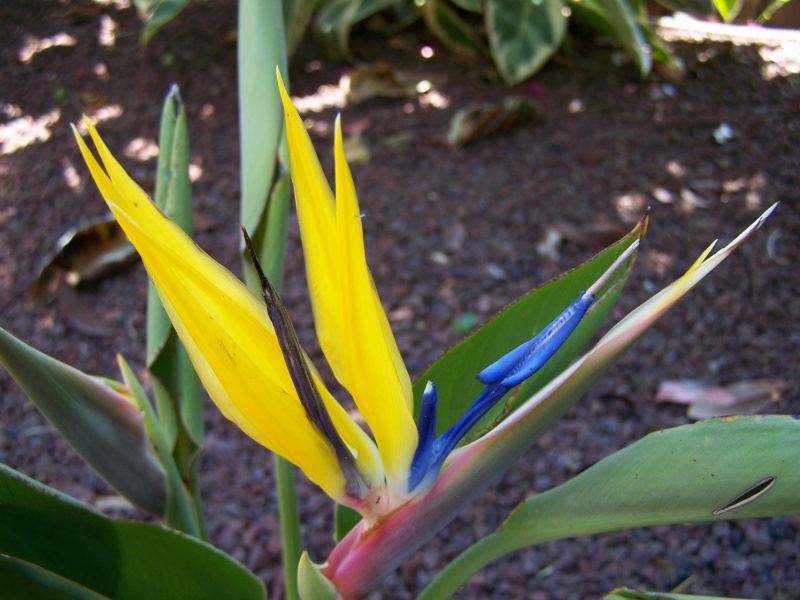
point(269, 240)
point(452, 30)
point(95, 416)
point(660, 50)
point(629, 594)
point(688, 474)
point(118, 559)
point(475, 6)
point(22, 579)
point(176, 385)
point(264, 204)
point(156, 14)
point(335, 19)
point(296, 17)
point(622, 20)
point(312, 583)
point(454, 372)
point(179, 512)
point(768, 12)
point(523, 35)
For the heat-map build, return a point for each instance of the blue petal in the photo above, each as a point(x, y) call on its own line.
point(497, 371)
point(501, 376)
point(547, 343)
point(527, 358)
point(426, 425)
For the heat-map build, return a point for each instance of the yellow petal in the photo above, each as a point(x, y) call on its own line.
point(378, 378)
point(228, 336)
point(317, 217)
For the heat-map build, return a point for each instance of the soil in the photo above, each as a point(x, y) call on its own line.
point(449, 232)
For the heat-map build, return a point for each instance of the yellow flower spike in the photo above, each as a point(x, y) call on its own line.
point(378, 379)
point(228, 336)
point(352, 327)
point(317, 218)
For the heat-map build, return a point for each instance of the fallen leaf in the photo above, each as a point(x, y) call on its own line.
point(707, 401)
point(598, 234)
point(356, 150)
point(477, 121)
point(380, 80)
point(92, 250)
point(398, 141)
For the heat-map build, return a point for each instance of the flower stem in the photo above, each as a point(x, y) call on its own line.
point(290, 524)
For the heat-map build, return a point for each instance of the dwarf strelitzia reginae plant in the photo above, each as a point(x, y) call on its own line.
point(415, 471)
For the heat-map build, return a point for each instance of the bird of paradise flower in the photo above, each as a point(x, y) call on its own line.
point(251, 363)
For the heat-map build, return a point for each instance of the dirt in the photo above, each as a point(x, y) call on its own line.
point(610, 144)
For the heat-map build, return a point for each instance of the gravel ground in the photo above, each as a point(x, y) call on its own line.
point(449, 232)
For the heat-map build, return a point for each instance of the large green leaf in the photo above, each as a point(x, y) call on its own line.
point(118, 559)
point(729, 468)
point(693, 473)
point(454, 372)
point(22, 579)
point(523, 35)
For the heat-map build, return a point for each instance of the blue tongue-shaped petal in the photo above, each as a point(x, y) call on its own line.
point(522, 362)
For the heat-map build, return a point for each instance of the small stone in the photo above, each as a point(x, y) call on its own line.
point(663, 195)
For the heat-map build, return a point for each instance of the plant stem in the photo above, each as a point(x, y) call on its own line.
point(290, 524)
